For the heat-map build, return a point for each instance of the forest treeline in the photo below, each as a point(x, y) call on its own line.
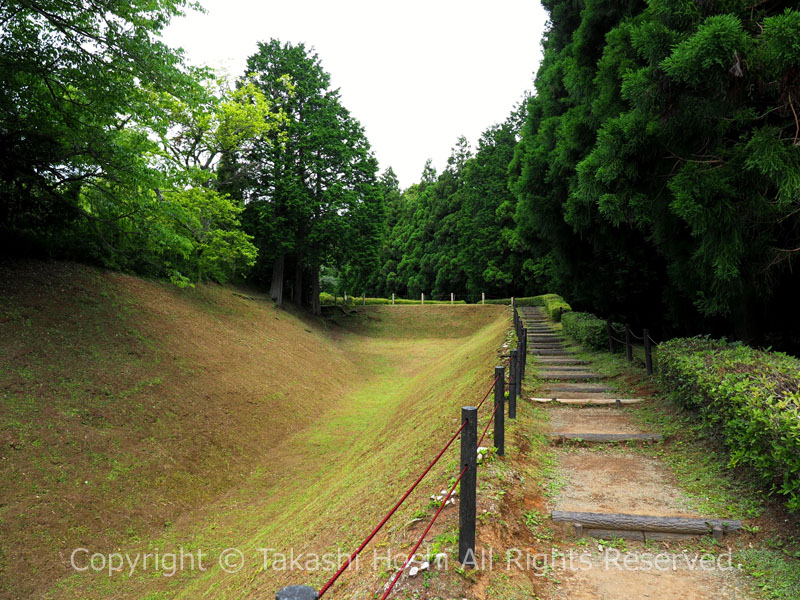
point(652, 176)
point(655, 180)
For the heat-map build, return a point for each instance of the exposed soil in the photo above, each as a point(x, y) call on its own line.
point(608, 482)
point(592, 420)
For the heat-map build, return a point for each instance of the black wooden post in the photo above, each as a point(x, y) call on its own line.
point(499, 414)
point(469, 484)
point(512, 386)
point(648, 353)
point(610, 337)
point(297, 592)
point(628, 344)
point(524, 351)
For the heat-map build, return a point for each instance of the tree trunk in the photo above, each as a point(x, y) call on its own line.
point(298, 281)
point(315, 307)
point(276, 289)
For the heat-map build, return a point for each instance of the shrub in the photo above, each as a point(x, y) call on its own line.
point(751, 397)
point(586, 328)
point(554, 305)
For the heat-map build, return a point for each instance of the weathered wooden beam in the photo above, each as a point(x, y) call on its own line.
point(608, 437)
point(589, 401)
point(624, 522)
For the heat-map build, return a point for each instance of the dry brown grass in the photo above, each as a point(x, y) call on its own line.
point(133, 414)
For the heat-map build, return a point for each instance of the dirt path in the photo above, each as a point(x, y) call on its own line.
point(614, 563)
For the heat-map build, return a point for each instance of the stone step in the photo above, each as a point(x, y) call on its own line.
point(547, 361)
point(562, 376)
point(583, 388)
point(604, 438)
point(588, 401)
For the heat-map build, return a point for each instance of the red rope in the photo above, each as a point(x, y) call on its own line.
point(386, 518)
point(489, 391)
point(422, 537)
point(494, 412)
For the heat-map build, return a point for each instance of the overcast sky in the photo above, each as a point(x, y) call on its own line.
point(416, 74)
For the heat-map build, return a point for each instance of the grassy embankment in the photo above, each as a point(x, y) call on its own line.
point(135, 417)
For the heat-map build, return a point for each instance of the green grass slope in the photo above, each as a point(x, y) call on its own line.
point(135, 416)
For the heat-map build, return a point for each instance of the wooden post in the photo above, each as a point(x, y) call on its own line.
point(363, 298)
point(422, 296)
point(518, 378)
point(499, 415)
point(469, 484)
point(392, 298)
point(628, 344)
point(610, 338)
point(524, 351)
point(648, 352)
point(512, 386)
point(297, 592)
point(452, 297)
point(483, 298)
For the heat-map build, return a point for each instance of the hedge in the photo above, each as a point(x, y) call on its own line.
point(553, 304)
point(751, 397)
point(586, 328)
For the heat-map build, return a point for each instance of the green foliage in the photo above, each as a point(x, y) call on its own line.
point(586, 328)
point(751, 397)
point(310, 185)
point(454, 232)
point(658, 170)
point(555, 306)
point(112, 142)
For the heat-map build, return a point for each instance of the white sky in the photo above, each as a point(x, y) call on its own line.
point(416, 74)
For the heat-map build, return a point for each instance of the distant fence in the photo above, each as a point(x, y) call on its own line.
point(467, 476)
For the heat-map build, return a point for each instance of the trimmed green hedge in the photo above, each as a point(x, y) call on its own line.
point(750, 396)
point(586, 328)
point(553, 304)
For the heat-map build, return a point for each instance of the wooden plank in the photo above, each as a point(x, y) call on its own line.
point(566, 388)
point(608, 437)
point(589, 401)
point(554, 375)
point(646, 522)
point(555, 361)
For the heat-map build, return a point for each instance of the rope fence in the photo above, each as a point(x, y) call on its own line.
point(467, 476)
point(422, 537)
point(647, 341)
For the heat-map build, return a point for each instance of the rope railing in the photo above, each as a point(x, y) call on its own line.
point(424, 533)
point(488, 424)
point(363, 545)
point(469, 445)
point(489, 391)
